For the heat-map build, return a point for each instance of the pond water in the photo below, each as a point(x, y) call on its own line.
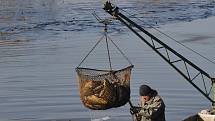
point(43, 41)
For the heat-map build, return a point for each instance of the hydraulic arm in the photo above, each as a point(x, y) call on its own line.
point(159, 47)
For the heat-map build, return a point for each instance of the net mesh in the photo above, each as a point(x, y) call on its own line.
point(104, 89)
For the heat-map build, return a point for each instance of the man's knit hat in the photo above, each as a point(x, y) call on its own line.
point(145, 90)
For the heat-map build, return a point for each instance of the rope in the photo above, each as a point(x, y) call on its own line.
point(107, 45)
point(108, 50)
point(120, 51)
point(91, 50)
point(172, 39)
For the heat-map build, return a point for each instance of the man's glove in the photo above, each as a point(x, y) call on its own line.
point(134, 110)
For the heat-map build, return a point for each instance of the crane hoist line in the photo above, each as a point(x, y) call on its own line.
point(208, 92)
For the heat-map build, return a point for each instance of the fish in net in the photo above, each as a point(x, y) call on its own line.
point(104, 89)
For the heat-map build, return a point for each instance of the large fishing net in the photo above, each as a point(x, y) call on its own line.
point(104, 89)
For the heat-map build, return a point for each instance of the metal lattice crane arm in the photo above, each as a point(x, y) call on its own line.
point(159, 47)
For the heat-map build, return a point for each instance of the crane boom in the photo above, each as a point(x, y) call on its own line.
point(114, 11)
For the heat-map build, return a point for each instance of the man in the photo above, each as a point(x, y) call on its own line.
point(152, 107)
